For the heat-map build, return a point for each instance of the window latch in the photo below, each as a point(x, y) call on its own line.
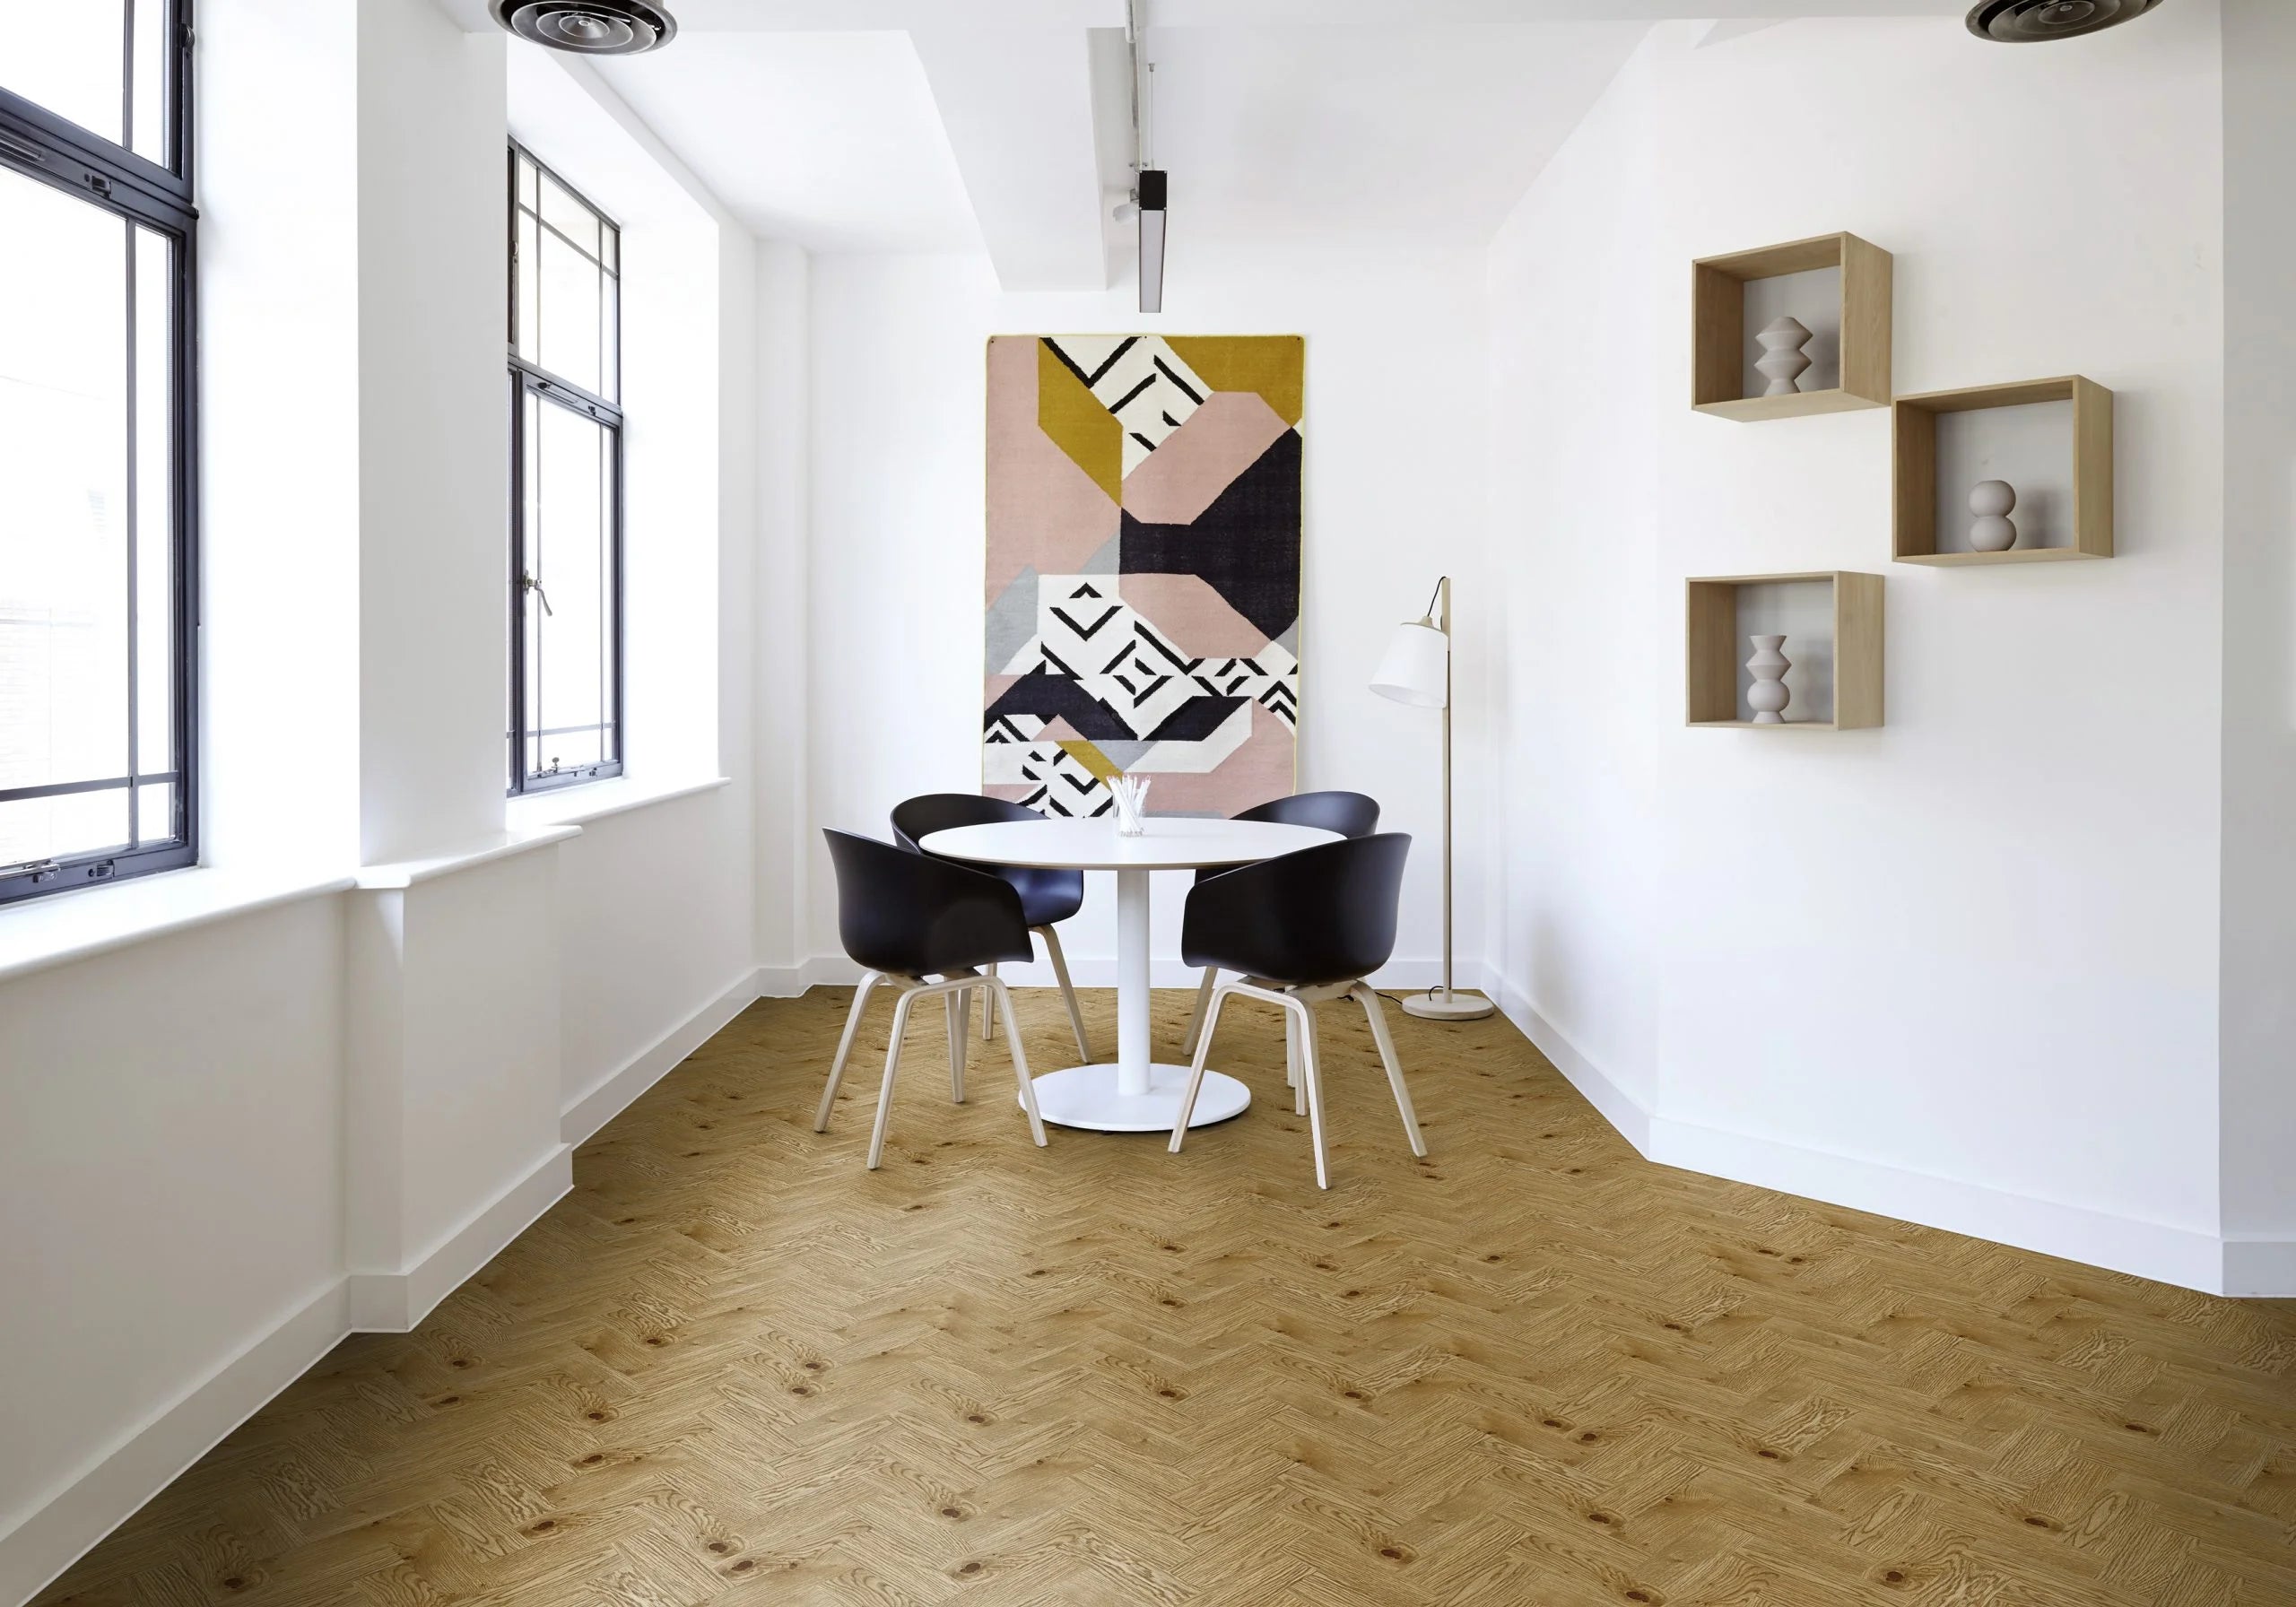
point(527, 583)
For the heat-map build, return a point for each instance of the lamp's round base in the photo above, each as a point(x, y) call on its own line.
point(1437, 1006)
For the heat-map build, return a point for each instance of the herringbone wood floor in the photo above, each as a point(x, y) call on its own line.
point(733, 1367)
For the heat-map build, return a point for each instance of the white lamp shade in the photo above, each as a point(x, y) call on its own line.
point(1413, 670)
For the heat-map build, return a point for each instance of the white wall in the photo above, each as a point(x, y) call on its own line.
point(656, 907)
point(781, 653)
point(170, 1178)
point(1963, 967)
point(222, 1150)
point(434, 476)
point(1394, 464)
point(279, 460)
point(2259, 661)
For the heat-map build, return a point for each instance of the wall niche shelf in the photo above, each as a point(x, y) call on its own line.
point(1916, 471)
point(1716, 650)
point(1722, 343)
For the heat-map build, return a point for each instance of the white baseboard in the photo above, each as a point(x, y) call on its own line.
point(150, 1456)
point(2184, 1256)
point(395, 1302)
point(2263, 1268)
point(613, 1093)
point(1612, 1103)
point(1087, 970)
point(791, 981)
point(2121, 1243)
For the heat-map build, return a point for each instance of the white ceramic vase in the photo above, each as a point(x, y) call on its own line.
point(1992, 531)
point(1768, 695)
point(1782, 359)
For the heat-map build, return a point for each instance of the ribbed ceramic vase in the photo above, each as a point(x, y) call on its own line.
point(1768, 697)
point(1782, 357)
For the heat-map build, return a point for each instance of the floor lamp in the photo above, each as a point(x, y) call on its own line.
point(1417, 671)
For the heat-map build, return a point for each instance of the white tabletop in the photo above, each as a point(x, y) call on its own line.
point(1173, 843)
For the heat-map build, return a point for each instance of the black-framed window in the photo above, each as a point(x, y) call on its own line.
point(566, 467)
point(97, 413)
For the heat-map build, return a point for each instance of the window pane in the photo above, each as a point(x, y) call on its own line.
point(155, 813)
point(612, 239)
point(569, 216)
point(148, 86)
point(568, 313)
point(63, 516)
point(570, 663)
point(525, 181)
point(154, 507)
point(609, 339)
point(71, 59)
point(529, 278)
point(37, 829)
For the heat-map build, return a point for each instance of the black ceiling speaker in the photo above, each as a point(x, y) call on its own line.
point(588, 26)
point(2031, 22)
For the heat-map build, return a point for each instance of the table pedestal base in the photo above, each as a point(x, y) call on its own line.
point(1086, 1096)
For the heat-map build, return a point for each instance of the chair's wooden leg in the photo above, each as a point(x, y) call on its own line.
point(1019, 1060)
point(1312, 1078)
point(1068, 991)
point(869, 979)
point(885, 1094)
point(1196, 1069)
point(958, 1007)
point(1292, 1067)
point(1366, 995)
point(988, 1009)
point(1203, 1002)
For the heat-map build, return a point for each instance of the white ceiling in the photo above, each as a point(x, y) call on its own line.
point(1369, 137)
point(1323, 136)
point(930, 125)
point(830, 140)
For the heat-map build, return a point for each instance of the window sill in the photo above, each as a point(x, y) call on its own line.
point(403, 873)
point(579, 805)
point(78, 926)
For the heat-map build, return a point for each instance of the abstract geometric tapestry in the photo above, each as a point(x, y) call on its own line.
point(1143, 570)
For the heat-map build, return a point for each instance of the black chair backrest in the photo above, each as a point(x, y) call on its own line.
point(1325, 914)
point(1350, 814)
point(914, 915)
point(919, 818)
point(1046, 895)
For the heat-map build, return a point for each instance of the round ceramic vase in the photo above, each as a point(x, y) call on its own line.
point(1992, 531)
point(1768, 695)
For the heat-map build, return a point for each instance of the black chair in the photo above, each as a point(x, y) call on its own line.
point(906, 917)
point(1350, 814)
point(1302, 928)
point(1047, 896)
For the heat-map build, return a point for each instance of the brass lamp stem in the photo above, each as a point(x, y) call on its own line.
point(1443, 603)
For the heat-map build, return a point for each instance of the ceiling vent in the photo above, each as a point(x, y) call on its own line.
point(2031, 22)
point(588, 26)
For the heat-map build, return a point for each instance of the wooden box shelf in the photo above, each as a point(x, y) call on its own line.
point(1715, 651)
point(1720, 339)
point(1913, 525)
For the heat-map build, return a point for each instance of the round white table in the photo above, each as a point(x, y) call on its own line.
point(1136, 1094)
